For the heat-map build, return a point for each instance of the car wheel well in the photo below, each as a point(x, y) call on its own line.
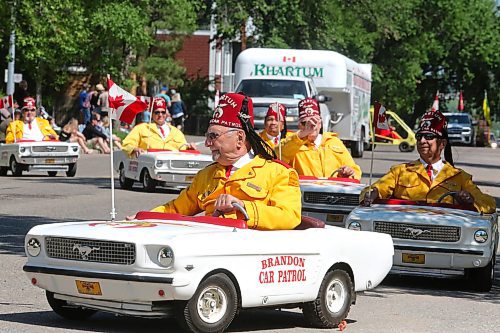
point(230, 276)
point(345, 267)
point(122, 166)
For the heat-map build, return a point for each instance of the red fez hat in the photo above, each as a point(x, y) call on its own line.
point(273, 110)
point(433, 122)
point(232, 109)
point(29, 103)
point(308, 107)
point(159, 103)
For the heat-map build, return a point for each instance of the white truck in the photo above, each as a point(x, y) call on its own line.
point(342, 86)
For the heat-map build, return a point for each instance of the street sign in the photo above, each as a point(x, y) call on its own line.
point(17, 77)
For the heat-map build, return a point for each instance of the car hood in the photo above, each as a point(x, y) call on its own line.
point(288, 102)
point(331, 186)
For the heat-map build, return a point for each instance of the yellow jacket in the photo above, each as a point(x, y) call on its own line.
point(269, 190)
point(43, 124)
point(409, 181)
point(319, 162)
point(263, 135)
point(142, 133)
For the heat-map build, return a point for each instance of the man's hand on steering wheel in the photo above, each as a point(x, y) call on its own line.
point(464, 198)
point(370, 196)
point(345, 172)
point(224, 202)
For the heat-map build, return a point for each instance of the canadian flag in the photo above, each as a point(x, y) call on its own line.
point(145, 99)
point(126, 105)
point(435, 105)
point(461, 102)
point(6, 102)
point(379, 117)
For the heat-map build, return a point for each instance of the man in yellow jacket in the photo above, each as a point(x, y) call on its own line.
point(244, 172)
point(275, 125)
point(314, 153)
point(430, 177)
point(155, 135)
point(30, 127)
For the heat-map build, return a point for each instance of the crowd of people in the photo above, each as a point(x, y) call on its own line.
point(260, 170)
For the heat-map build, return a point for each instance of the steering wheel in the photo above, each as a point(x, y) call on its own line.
point(335, 171)
point(451, 193)
point(236, 206)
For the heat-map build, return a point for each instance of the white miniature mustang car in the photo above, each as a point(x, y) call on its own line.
point(159, 167)
point(329, 199)
point(49, 156)
point(203, 269)
point(434, 239)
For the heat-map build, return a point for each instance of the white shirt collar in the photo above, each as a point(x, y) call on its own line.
point(244, 160)
point(166, 129)
point(317, 141)
point(436, 167)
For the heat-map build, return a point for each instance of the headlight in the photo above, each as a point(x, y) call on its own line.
point(354, 226)
point(481, 236)
point(33, 247)
point(22, 149)
point(166, 256)
point(159, 163)
point(75, 149)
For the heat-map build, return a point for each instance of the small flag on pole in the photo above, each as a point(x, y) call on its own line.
point(435, 105)
point(379, 117)
point(486, 109)
point(6, 102)
point(126, 105)
point(461, 102)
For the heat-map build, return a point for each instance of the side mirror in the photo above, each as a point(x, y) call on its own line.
point(474, 122)
point(322, 98)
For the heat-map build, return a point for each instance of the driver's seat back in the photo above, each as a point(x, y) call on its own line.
point(307, 222)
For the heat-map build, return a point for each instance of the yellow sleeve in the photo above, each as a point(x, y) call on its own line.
point(283, 210)
point(347, 160)
point(186, 203)
point(47, 129)
point(179, 140)
point(384, 185)
point(289, 148)
point(131, 141)
point(9, 134)
point(483, 202)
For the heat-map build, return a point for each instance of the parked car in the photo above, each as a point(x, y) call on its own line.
point(174, 169)
point(329, 199)
point(435, 239)
point(461, 128)
point(202, 269)
point(46, 156)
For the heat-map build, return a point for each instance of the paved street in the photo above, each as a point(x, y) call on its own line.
point(400, 304)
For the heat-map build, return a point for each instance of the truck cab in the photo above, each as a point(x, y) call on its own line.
point(461, 128)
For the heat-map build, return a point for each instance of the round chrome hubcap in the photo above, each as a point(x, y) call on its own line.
point(212, 304)
point(335, 296)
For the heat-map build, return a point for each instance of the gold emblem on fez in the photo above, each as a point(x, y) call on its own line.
point(218, 110)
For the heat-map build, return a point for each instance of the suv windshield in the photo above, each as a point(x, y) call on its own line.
point(273, 88)
point(458, 119)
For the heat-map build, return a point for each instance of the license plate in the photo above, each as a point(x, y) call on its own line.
point(189, 178)
point(413, 258)
point(50, 161)
point(88, 287)
point(334, 218)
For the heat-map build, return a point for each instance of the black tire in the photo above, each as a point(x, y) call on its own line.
point(333, 302)
point(67, 311)
point(404, 147)
point(148, 183)
point(357, 147)
point(52, 173)
point(16, 169)
point(125, 183)
point(3, 171)
point(71, 170)
point(212, 307)
point(481, 279)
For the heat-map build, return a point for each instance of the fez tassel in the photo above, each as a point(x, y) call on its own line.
point(126, 105)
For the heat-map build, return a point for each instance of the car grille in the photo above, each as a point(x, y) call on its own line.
point(90, 250)
point(420, 232)
point(188, 164)
point(331, 199)
point(49, 149)
point(454, 131)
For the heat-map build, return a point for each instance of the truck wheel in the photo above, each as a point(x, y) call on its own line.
point(481, 279)
point(148, 183)
point(52, 173)
point(404, 147)
point(16, 169)
point(67, 311)
point(71, 170)
point(333, 302)
point(3, 171)
point(125, 183)
point(357, 148)
point(212, 307)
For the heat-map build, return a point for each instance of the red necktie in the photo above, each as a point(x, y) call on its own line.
point(275, 140)
point(29, 125)
point(162, 131)
point(228, 170)
point(429, 171)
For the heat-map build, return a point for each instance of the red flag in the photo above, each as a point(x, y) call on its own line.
point(461, 102)
point(126, 105)
point(379, 117)
point(435, 105)
point(6, 102)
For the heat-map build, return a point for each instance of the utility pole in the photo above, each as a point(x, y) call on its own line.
point(12, 51)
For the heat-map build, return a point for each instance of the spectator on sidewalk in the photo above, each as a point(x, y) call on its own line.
point(96, 138)
point(178, 111)
point(164, 94)
point(103, 101)
point(84, 103)
point(21, 92)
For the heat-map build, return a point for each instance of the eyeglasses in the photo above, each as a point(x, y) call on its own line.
point(160, 112)
point(426, 136)
point(212, 136)
point(32, 110)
